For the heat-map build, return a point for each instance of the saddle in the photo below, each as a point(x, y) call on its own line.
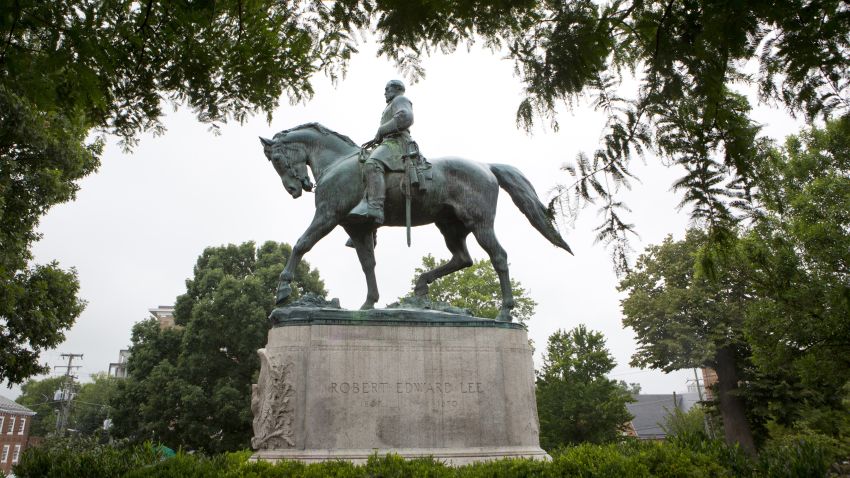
point(416, 174)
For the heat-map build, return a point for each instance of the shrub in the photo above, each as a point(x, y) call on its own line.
point(792, 455)
point(800, 454)
point(686, 428)
point(82, 458)
point(600, 461)
point(184, 466)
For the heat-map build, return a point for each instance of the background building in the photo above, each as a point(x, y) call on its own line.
point(651, 411)
point(15, 421)
point(164, 314)
point(119, 368)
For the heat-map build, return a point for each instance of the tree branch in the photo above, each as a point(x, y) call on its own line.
point(11, 30)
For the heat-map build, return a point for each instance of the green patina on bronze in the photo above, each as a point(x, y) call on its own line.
point(291, 316)
point(460, 200)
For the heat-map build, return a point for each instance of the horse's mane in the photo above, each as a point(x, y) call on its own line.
point(315, 126)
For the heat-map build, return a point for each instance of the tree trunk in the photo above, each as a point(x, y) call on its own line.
point(736, 428)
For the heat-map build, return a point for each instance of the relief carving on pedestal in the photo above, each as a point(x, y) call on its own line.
point(272, 401)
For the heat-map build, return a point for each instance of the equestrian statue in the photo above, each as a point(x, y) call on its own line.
point(387, 182)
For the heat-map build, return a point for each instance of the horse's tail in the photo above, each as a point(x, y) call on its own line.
point(525, 198)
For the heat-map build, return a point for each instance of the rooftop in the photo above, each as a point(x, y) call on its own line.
point(13, 407)
point(650, 412)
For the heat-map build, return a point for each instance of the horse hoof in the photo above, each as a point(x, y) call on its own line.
point(283, 292)
point(504, 316)
point(367, 305)
point(421, 290)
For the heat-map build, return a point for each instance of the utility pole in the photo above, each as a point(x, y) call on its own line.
point(709, 430)
point(699, 387)
point(67, 393)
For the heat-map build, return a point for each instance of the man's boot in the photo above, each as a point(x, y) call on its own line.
point(350, 243)
point(372, 206)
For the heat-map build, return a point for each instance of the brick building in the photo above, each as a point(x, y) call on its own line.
point(15, 422)
point(709, 380)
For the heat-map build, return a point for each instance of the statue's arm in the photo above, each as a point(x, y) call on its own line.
point(402, 117)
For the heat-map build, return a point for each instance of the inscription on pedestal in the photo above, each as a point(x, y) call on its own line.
point(381, 394)
point(400, 388)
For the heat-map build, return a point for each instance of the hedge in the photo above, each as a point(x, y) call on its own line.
point(627, 459)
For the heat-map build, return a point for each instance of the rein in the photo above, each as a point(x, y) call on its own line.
point(286, 162)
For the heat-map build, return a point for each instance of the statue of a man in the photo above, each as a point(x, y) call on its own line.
point(392, 138)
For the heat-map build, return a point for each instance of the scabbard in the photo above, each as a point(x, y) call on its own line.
point(407, 217)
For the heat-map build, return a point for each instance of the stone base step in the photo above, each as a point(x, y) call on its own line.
point(449, 456)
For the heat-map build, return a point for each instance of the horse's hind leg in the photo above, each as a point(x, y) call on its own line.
point(487, 239)
point(454, 233)
point(363, 239)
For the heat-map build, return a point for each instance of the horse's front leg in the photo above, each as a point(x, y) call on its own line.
point(321, 225)
point(363, 239)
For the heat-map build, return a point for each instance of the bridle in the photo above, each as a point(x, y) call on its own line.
point(286, 162)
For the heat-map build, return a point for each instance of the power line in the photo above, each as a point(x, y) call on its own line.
point(637, 372)
point(651, 402)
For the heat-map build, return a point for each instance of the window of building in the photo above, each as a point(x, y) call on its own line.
point(2, 419)
point(5, 455)
point(16, 455)
point(11, 425)
point(22, 425)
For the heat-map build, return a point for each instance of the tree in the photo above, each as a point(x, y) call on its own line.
point(798, 262)
point(683, 320)
point(689, 59)
point(687, 428)
point(475, 288)
point(37, 395)
point(191, 385)
point(72, 67)
point(42, 155)
point(137, 407)
point(91, 405)
point(37, 305)
point(135, 413)
point(776, 297)
point(576, 402)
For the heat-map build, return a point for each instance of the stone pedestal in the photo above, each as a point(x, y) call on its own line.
point(339, 384)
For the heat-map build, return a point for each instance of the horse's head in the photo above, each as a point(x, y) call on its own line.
point(290, 162)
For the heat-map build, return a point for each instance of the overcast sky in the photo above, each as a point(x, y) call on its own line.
point(138, 224)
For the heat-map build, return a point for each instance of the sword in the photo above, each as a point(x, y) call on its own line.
point(407, 217)
point(410, 180)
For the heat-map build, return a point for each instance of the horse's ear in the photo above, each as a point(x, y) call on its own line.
point(266, 142)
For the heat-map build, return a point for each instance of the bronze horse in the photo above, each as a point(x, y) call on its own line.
point(461, 199)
